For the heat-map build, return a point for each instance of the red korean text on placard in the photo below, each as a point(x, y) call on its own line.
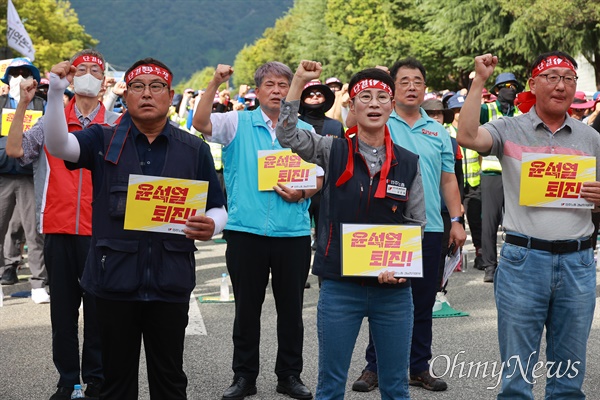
point(386, 240)
point(391, 258)
point(560, 170)
point(270, 162)
point(144, 192)
point(563, 190)
point(293, 175)
point(171, 214)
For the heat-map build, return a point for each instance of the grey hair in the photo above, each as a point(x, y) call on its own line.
point(272, 68)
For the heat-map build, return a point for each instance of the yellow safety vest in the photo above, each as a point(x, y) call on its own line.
point(216, 150)
point(471, 167)
point(491, 163)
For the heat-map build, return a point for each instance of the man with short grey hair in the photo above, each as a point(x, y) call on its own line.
point(268, 232)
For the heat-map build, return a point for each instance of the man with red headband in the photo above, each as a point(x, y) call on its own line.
point(377, 182)
point(142, 280)
point(546, 274)
point(64, 212)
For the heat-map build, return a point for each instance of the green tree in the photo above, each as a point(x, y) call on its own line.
point(545, 25)
point(54, 30)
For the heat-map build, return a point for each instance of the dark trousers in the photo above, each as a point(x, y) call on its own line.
point(492, 203)
point(250, 258)
point(473, 212)
point(123, 325)
point(423, 293)
point(65, 259)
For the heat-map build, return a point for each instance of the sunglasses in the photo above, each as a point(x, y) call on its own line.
point(315, 94)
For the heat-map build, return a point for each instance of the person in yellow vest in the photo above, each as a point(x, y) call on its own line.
point(505, 88)
point(472, 180)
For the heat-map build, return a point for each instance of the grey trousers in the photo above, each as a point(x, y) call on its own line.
point(492, 204)
point(17, 198)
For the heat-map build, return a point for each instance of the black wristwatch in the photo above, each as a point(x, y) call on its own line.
point(457, 219)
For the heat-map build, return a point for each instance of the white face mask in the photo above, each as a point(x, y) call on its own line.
point(87, 85)
point(15, 87)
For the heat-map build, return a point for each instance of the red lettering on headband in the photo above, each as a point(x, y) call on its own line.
point(552, 62)
point(150, 69)
point(370, 84)
point(87, 58)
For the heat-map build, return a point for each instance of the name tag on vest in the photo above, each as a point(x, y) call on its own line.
point(397, 190)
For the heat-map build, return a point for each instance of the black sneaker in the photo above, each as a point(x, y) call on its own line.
point(62, 393)
point(92, 389)
point(9, 276)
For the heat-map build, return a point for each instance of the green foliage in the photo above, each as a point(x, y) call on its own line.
point(187, 35)
point(54, 30)
point(349, 35)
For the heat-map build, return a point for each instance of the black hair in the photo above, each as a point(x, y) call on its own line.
point(148, 60)
point(408, 62)
point(373, 73)
point(543, 56)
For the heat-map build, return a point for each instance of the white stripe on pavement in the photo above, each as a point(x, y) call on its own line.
point(195, 323)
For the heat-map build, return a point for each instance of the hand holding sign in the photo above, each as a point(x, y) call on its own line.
point(199, 227)
point(590, 191)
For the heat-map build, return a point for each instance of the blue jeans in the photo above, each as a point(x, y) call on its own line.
point(533, 289)
point(342, 307)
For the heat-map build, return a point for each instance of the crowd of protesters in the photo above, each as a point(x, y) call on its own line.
point(418, 156)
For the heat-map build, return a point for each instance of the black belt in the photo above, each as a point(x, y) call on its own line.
point(553, 246)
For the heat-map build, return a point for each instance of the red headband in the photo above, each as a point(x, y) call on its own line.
point(152, 70)
point(370, 84)
point(88, 59)
point(552, 62)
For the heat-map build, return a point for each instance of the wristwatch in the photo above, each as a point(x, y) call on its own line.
point(301, 199)
point(457, 219)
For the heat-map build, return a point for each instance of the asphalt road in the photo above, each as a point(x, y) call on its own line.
point(27, 371)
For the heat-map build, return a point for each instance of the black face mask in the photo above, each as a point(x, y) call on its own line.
point(507, 95)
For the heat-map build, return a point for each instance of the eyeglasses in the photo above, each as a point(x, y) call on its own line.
point(83, 69)
point(507, 85)
point(366, 97)
point(553, 79)
point(418, 84)
point(315, 94)
point(155, 87)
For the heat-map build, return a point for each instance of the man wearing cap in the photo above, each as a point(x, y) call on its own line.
point(268, 232)
point(505, 88)
point(17, 198)
point(472, 181)
point(142, 280)
point(546, 276)
point(64, 213)
point(316, 99)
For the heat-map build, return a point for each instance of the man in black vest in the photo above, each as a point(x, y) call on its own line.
point(17, 197)
point(142, 280)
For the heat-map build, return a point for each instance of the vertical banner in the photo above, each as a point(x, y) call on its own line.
point(159, 204)
point(368, 250)
point(16, 35)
